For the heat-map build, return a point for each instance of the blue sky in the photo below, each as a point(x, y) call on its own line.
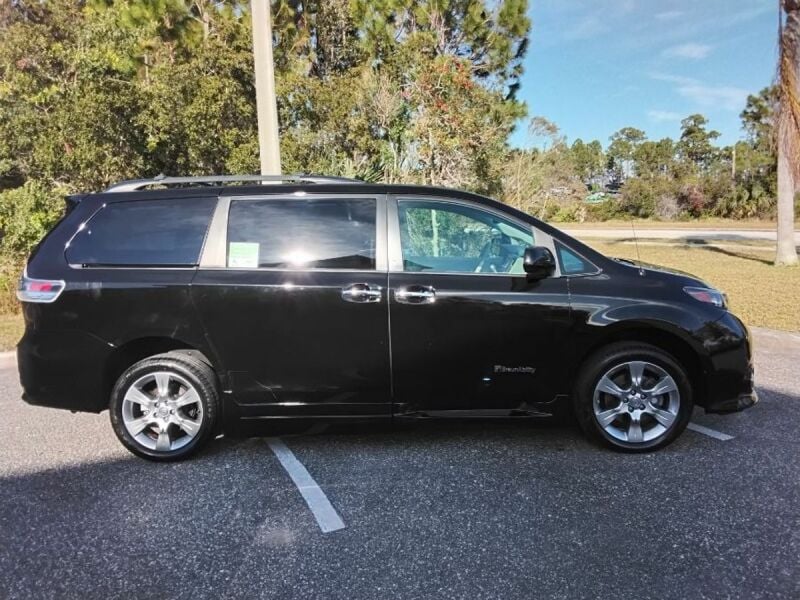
point(595, 66)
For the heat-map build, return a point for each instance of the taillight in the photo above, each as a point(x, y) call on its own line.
point(39, 290)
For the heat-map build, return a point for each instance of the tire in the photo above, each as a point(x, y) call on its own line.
point(164, 408)
point(607, 403)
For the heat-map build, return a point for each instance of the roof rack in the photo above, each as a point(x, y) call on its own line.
point(133, 185)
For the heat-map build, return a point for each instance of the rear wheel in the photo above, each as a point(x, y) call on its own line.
point(164, 407)
point(633, 397)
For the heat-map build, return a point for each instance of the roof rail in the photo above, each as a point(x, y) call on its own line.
point(133, 185)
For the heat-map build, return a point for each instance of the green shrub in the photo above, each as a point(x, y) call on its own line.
point(639, 198)
point(10, 270)
point(567, 213)
point(604, 211)
point(27, 213)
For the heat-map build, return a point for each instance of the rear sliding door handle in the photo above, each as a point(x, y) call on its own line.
point(362, 293)
point(415, 294)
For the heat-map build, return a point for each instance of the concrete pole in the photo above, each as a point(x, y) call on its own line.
point(266, 104)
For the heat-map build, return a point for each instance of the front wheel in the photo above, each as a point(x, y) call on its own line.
point(164, 407)
point(633, 397)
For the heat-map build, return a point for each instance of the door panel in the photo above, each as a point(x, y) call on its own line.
point(484, 343)
point(293, 345)
point(298, 310)
point(469, 330)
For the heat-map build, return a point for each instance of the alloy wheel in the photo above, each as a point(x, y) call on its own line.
point(162, 411)
point(636, 402)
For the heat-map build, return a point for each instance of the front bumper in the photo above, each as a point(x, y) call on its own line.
point(730, 384)
point(740, 403)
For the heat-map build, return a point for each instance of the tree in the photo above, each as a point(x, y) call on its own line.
point(622, 149)
point(589, 160)
point(788, 130)
point(492, 37)
point(696, 145)
point(653, 159)
point(543, 181)
point(753, 160)
point(758, 118)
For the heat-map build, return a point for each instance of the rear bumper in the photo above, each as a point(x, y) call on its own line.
point(60, 369)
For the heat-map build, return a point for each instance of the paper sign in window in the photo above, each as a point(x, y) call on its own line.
point(243, 255)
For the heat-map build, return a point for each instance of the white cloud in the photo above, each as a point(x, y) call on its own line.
point(727, 97)
point(586, 28)
point(669, 15)
point(592, 18)
point(689, 50)
point(679, 79)
point(660, 116)
point(721, 96)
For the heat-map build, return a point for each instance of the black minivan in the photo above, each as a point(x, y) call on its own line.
point(190, 307)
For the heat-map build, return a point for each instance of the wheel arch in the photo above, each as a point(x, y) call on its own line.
point(675, 342)
point(138, 349)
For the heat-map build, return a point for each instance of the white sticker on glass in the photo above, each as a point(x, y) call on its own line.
point(243, 255)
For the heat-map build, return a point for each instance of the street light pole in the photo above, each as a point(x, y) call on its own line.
point(266, 105)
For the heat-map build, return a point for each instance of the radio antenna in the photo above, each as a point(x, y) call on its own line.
point(636, 243)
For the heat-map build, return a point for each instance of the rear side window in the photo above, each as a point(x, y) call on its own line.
point(302, 234)
point(144, 233)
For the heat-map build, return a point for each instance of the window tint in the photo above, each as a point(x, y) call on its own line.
point(309, 234)
point(447, 237)
point(144, 233)
point(571, 263)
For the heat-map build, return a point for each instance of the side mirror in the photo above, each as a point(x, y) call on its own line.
point(538, 262)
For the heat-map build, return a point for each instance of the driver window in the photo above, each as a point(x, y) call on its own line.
point(457, 238)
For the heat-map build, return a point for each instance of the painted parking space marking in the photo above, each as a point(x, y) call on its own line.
point(323, 511)
point(717, 435)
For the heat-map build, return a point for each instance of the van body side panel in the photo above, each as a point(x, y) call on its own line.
point(67, 344)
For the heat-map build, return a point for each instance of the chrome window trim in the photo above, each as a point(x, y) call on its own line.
point(217, 242)
point(130, 267)
point(540, 238)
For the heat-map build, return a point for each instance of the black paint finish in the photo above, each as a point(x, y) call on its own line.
point(486, 342)
point(286, 344)
point(292, 346)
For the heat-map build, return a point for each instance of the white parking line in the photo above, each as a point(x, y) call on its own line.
point(717, 435)
point(323, 511)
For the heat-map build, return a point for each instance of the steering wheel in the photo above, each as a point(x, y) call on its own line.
point(486, 256)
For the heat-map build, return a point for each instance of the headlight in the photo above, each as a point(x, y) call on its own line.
point(707, 295)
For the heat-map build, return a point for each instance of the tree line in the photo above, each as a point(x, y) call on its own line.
point(419, 91)
point(633, 176)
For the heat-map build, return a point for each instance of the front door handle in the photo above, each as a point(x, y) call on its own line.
point(415, 294)
point(362, 293)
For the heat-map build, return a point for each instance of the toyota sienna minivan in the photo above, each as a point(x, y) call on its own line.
point(190, 307)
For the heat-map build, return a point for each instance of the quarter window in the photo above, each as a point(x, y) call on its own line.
point(456, 238)
point(302, 234)
point(144, 233)
point(571, 263)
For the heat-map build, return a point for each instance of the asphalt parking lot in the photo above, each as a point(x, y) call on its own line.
point(436, 510)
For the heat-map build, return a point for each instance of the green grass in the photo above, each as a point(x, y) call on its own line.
point(761, 294)
point(708, 223)
point(11, 327)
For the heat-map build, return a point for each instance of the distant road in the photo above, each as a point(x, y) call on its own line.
point(674, 234)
